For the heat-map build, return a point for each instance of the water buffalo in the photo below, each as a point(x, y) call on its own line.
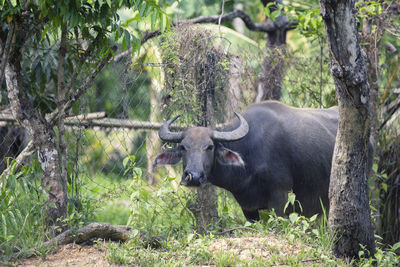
point(262, 155)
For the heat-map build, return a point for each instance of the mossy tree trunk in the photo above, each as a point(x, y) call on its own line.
point(349, 215)
point(205, 208)
point(273, 67)
point(42, 133)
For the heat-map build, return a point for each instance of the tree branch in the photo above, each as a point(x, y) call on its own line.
point(96, 120)
point(82, 60)
point(21, 160)
point(33, 32)
point(52, 117)
point(265, 27)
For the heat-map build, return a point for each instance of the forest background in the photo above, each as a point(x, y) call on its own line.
point(96, 79)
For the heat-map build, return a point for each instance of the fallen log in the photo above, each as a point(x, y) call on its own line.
point(100, 230)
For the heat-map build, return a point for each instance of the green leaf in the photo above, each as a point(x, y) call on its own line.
point(142, 9)
point(4, 224)
point(138, 172)
point(148, 10)
point(124, 44)
point(45, 30)
point(145, 194)
point(315, 232)
point(314, 217)
point(125, 162)
point(293, 217)
point(109, 3)
point(135, 45)
point(248, 224)
point(154, 16)
point(13, 3)
point(127, 38)
point(190, 237)
point(134, 233)
point(396, 246)
point(384, 186)
point(225, 209)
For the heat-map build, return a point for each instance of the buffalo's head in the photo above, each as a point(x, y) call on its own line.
point(199, 148)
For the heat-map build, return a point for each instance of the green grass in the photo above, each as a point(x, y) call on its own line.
point(22, 224)
point(162, 210)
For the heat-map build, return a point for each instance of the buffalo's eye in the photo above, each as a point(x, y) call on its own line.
point(210, 147)
point(183, 148)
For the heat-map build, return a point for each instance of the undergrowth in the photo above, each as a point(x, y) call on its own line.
point(162, 210)
point(22, 224)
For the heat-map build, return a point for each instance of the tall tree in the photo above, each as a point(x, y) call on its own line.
point(349, 214)
point(80, 32)
point(273, 67)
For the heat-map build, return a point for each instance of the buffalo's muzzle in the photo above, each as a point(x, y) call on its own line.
point(193, 178)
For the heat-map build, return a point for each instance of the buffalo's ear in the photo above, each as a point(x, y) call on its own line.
point(228, 157)
point(171, 156)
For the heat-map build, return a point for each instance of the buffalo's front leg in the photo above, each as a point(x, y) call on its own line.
point(251, 215)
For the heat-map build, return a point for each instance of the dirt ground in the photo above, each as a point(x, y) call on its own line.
point(245, 247)
point(71, 255)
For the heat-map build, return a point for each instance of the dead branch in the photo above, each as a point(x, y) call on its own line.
point(120, 123)
point(98, 230)
point(94, 120)
point(89, 116)
point(266, 26)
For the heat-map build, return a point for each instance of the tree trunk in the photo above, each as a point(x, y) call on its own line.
point(237, 23)
point(43, 137)
point(153, 142)
point(371, 39)
point(234, 97)
point(205, 208)
point(273, 68)
point(349, 214)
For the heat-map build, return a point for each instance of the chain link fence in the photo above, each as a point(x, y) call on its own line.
point(112, 136)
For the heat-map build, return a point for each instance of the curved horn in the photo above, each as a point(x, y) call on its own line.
point(166, 135)
point(236, 134)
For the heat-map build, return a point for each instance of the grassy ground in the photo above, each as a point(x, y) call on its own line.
point(162, 211)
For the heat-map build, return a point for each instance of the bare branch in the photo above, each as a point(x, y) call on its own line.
point(94, 120)
point(89, 116)
point(258, 27)
point(32, 33)
point(82, 60)
point(119, 123)
point(266, 26)
point(147, 36)
point(52, 117)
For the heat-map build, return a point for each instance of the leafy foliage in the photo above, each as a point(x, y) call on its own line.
point(22, 224)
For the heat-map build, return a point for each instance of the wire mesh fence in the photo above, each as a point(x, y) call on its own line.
point(111, 133)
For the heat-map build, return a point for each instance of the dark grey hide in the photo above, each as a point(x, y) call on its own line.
point(285, 149)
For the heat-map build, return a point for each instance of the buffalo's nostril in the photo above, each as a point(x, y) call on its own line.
point(187, 176)
point(193, 178)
